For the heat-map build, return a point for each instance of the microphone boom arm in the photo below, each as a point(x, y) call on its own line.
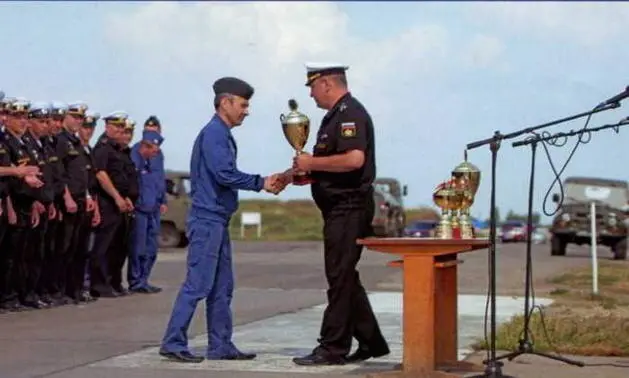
point(537, 138)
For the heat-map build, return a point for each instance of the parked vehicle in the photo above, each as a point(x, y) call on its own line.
point(572, 224)
point(389, 217)
point(421, 229)
point(513, 231)
point(173, 223)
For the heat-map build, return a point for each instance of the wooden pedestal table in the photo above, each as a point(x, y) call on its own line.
point(429, 303)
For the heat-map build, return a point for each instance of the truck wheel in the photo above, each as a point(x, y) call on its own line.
point(620, 249)
point(557, 246)
point(169, 236)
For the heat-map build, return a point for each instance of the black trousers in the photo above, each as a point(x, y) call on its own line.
point(70, 233)
point(119, 255)
point(5, 252)
point(52, 245)
point(32, 260)
point(349, 313)
point(105, 245)
point(77, 270)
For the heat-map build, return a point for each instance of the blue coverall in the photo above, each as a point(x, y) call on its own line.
point(145, 233)
point(215, 181)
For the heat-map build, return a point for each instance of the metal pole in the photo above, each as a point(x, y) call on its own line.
point(593, 248)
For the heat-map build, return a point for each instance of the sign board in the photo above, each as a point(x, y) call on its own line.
point(250, 219)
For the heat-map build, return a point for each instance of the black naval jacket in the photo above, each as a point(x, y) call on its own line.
point(22, 195)
point(347, 126)
point(45, 194)
point(108, 157)
point(76, 166)
point(5, 161)
point(132, 189)
point(58, 170)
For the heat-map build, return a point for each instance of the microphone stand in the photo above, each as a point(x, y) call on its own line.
point(525, 345)
point(493, 367)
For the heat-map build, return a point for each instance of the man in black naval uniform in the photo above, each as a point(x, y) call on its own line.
point(343, 169)
point(111, 176)
point(33, 255)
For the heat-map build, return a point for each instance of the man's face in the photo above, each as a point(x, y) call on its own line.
point(55, 125)
point(72, 122)
point(17, 123)
point(39, 126)
point(157, 129)
point(149, 150)
point(236, 109)
point(318, 91)
point(125, 137)
point(86, 133)
point(114, 130)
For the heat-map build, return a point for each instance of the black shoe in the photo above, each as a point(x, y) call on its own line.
point(140, 290)
point(154, 289)
point(183, 356)
point(363, 354)
point(314, 359)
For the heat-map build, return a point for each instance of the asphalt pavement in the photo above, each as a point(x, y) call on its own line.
point(275, 281)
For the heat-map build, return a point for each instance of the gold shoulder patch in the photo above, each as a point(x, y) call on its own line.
point(348, 129)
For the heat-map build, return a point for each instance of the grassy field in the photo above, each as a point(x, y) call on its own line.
point(578, 322)
point(294, 220)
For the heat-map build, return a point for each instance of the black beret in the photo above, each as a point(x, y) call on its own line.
point(152, 121)
point(233, 86)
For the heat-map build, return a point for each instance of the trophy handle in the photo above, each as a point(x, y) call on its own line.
point(282, 118)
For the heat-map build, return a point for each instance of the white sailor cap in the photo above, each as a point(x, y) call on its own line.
point(77, 108)
point(20, 105)
point(39, 110)
point(90, 119)
point(58, 109)
point(129, 124)
point(5, 102)
point(117, 117)
point(317, 70)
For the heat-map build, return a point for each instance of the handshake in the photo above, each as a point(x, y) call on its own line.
point(277, 182)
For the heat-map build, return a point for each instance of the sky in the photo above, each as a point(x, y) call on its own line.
point(434, 77)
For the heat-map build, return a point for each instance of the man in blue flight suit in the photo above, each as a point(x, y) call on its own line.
point(215, 181)
point(144, 234)
point(158, 178)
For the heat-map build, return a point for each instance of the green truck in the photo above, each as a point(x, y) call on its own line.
point(389, 218)
point(572, 224)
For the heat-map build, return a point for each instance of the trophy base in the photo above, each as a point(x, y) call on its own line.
point(302, 180)
point(456, 232)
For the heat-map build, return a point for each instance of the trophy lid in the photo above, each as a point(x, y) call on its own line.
point(294, 116)
point(465, 166)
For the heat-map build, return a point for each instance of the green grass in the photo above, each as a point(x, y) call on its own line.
point(294, 220)
point(578, 322)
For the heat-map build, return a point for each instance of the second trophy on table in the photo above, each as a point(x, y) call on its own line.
point(296, 127)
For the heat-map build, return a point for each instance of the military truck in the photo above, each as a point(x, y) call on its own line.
point(572, 222)
point(173, 223)
point(389, 217)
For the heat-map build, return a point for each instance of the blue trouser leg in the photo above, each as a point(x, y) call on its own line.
point(137, 257)
point(218, 305)
point(206, 239)
point(152, 235)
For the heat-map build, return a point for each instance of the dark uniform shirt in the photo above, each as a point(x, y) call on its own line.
point(132, 189)
point(75, 176)
point(92, 182)
point(44, 194)
point(347, 126)
point(58, 170)
point(108, 157)
point(5, 161)
point(22, 195)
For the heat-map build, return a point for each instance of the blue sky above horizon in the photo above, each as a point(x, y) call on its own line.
point(435, 76)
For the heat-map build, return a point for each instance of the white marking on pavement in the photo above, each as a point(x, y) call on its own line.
point(279, 338)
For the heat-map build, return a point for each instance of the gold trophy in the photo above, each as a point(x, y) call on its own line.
point(448, 200)
point(296, 127)
point(466, 178)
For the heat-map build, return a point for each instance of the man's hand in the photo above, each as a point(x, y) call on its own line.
point(96, 217)
point(39, 207)
point(163, 209)
point(33, 181)
point(121, 203)
point(129, 204)
point(35, 216)
point(71, 206)
point(271, 183)
point(90, 204)
point(27, 170)
point(303, 162)
point(52, 211)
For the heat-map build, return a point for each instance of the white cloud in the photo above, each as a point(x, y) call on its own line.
point(586, 23)
point(484, 50)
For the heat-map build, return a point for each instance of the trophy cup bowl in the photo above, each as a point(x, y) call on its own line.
point(467, 179)
point(296, 127)
point(447, 199)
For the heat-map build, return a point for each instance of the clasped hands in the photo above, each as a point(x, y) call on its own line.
point(276, 182)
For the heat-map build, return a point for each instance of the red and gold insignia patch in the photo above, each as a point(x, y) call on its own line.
point(348, 129)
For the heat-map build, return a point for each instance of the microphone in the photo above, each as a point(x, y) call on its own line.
point(616, 99)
